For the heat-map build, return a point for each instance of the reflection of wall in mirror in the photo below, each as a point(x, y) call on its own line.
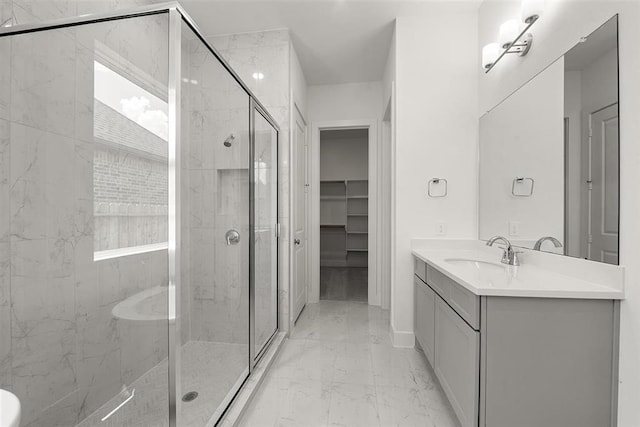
point(523, 137)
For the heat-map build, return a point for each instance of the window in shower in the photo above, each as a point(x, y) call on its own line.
point(130, 128)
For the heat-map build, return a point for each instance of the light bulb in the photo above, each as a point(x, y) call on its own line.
point(508, 33)
point(490, 53)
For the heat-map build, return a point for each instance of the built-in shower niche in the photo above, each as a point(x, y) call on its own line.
point(230, 183)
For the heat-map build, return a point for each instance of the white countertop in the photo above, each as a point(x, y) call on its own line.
point(540, 275)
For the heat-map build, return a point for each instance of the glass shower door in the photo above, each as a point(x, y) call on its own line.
point(265, 210)
point(214, 325)
point(83, 222)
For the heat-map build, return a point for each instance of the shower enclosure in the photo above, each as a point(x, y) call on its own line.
point(138, 222)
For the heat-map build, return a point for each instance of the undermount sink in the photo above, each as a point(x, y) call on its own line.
point(476, 264)
point(148, 305)
point(9, 409)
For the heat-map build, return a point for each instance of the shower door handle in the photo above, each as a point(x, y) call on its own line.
point(232, 237)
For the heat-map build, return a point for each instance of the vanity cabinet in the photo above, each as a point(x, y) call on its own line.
point(506, 361)
point(425, 321)
point(457, 353)
point(451, 345)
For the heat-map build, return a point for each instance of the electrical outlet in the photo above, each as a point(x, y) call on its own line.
point(441, 228)
point(514, 228)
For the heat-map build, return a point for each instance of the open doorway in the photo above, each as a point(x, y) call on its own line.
point(344, 214)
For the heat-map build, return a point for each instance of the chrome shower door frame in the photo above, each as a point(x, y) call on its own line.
point(257, 108)
point(174, 211)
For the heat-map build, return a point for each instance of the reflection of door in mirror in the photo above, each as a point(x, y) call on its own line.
point(603, 185)
point(591, 146)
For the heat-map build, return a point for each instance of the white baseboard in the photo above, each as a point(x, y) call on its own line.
point(403, 339)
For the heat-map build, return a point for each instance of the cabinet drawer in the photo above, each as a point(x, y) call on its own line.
point(457, 362)
point(420, 269)
point(425, 317)
point(465, 302)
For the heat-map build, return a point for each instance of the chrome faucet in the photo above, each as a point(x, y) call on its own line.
point(509, 256)
point(541, 240)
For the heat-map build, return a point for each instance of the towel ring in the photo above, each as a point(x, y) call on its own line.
point(519, 181)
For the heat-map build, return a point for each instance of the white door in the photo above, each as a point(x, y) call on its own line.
point(300, 205)
point(603, 186)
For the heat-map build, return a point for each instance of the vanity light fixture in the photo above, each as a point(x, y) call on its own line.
point(257, 75)
point(513, 39)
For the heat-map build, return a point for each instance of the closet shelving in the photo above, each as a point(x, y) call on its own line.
point(344, 211)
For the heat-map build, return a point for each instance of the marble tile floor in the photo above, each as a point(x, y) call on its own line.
point(210, 368)
point(344, 283)
point(339, 369)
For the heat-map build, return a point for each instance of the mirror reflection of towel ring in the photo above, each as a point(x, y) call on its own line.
point(436, 182)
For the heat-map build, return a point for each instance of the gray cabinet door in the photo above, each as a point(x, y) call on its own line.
point(548, 362)
point(425, 317)
point(457, 352)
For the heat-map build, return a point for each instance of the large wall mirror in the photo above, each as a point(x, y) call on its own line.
point(549, 156)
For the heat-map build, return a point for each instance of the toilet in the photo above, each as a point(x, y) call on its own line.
point(9, 409)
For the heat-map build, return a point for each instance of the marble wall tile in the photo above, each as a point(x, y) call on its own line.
point(83, 221)
point(202, 198)
point(42, 83)
point(233, 191)
point(274, 87)
point(257, 39)
point(29, 11)
point(43, 323)
point(28, 182)
point(135, 336)
point(63, 413)
point(201, 265)
point(121, 38)
point(5, 77)
point(40, 179)
point(60, 179)
point(279, 37)
point(208, 130)
point(5, 315)
point(5, 180)
point(101, 6)
point(98, 361)
point(6, 11)
point(228, 322)
point(84, 88)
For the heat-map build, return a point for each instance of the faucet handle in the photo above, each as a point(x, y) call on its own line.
point(514, 259)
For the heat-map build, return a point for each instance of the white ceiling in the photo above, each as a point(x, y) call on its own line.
point(337, 41)
point(594, 46)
